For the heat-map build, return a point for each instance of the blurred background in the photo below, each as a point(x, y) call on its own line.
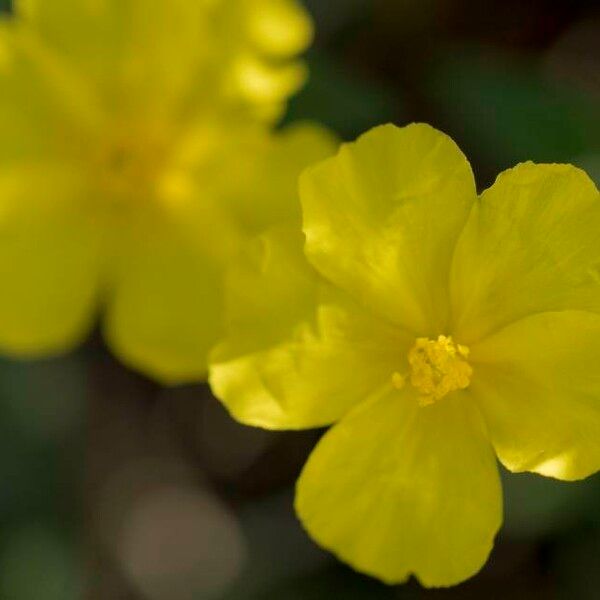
point(113, 488)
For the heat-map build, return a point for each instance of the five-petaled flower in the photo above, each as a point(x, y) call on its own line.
point(443, 329)
point(136, 155)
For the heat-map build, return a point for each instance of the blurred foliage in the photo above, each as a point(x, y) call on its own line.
point(575, 562)
point(536, 507)
point(38, 563)
point(41, 431)
point(332, 582)
point(344, 101)
point(591, 163)
point(505, 112)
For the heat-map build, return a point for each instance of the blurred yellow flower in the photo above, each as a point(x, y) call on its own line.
point(136, 154)
point(445, 329)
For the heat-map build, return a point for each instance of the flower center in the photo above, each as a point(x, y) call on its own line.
point(131, 161)
point(131, 171)
point(438, 367)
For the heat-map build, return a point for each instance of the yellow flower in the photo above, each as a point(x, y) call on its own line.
point(446, 329)
point(152, 54)
point(133, 164)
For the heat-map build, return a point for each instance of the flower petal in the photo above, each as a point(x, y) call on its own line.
point(263, 40)
point(264, 191)
point(143, 54)
point(278, 28)
point(165, 313)
point(50, 260)
point(396, 489)
point(530, 245)
point(538, 384)
point(381, 219)
point(149, 54)
point(298, 352)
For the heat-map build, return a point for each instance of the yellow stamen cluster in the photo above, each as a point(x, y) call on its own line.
point(438, 367)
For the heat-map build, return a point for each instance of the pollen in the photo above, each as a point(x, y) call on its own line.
point(438, 367)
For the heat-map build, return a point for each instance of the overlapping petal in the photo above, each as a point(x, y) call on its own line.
point(37, 120)
point(149, 49)
point(142, 57)
point(165, 310)
point(50, 259)
point(263, 43)
point(264, 191)
point(530, 245)
point(277, 28)
point(395, 489)
point(382, 217)
point(298, 352)
point(538, 385)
